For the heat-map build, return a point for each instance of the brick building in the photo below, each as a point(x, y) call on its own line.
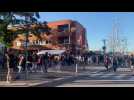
point(71, 34)
point(64, 34)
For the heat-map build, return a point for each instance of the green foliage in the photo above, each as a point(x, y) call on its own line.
point(5, 36)
point(1, 39)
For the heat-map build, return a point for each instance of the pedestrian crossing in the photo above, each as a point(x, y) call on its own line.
point(108, 76)
point(102, 79)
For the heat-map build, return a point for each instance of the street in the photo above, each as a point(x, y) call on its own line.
point(91, 76)
point(99, 77)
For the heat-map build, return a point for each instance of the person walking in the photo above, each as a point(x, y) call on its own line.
point(34, 61)
point(45, 62)
point(29, 62)
point(8, 77)
point(21, 59)
point(132, 62)
point(1, 61)
point(106, 62)
point(20, 65)
point(58, 63)
point(9, 63)
point(39, 63)
point(129, 61)
point(115, 63)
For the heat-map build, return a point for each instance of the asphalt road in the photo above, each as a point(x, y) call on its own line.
point(99, 77)
point(91, 76)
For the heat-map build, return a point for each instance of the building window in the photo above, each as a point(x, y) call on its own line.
point(64, 40)
point(63, 27)
point(17, 22)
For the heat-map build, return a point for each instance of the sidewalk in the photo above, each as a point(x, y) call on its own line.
point(35, 79)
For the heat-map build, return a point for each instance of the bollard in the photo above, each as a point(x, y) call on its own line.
point(76, 68)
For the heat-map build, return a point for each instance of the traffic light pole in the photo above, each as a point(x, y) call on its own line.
point(26, 56)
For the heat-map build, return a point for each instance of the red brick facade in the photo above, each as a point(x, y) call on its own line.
point(65, 34)
point(76, 32)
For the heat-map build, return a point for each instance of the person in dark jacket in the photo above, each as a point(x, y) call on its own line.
point(115, 63)
point(1, 61)
point(29, 58)
point(132, 62)
point(34, 61)
point(45, 61)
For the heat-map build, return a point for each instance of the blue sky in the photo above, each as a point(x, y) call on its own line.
point(98, 25)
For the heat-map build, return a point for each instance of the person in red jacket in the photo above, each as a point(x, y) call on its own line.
point(106, 62)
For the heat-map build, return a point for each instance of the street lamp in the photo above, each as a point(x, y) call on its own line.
point(26, 50)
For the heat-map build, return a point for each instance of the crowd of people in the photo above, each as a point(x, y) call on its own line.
point(33, 63)
point(108, 60)
point(90, 59)
point(119, 61)
point(40, 63)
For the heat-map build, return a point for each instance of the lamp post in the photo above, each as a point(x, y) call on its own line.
point(26, 51)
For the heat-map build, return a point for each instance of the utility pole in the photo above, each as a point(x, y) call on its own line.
point(69, 40)
point(26, 55)
point(114, 39)
point(26, 48)
point(104, 47)
point(116, 42)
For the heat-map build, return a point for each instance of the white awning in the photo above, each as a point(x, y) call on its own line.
point(51, 52)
